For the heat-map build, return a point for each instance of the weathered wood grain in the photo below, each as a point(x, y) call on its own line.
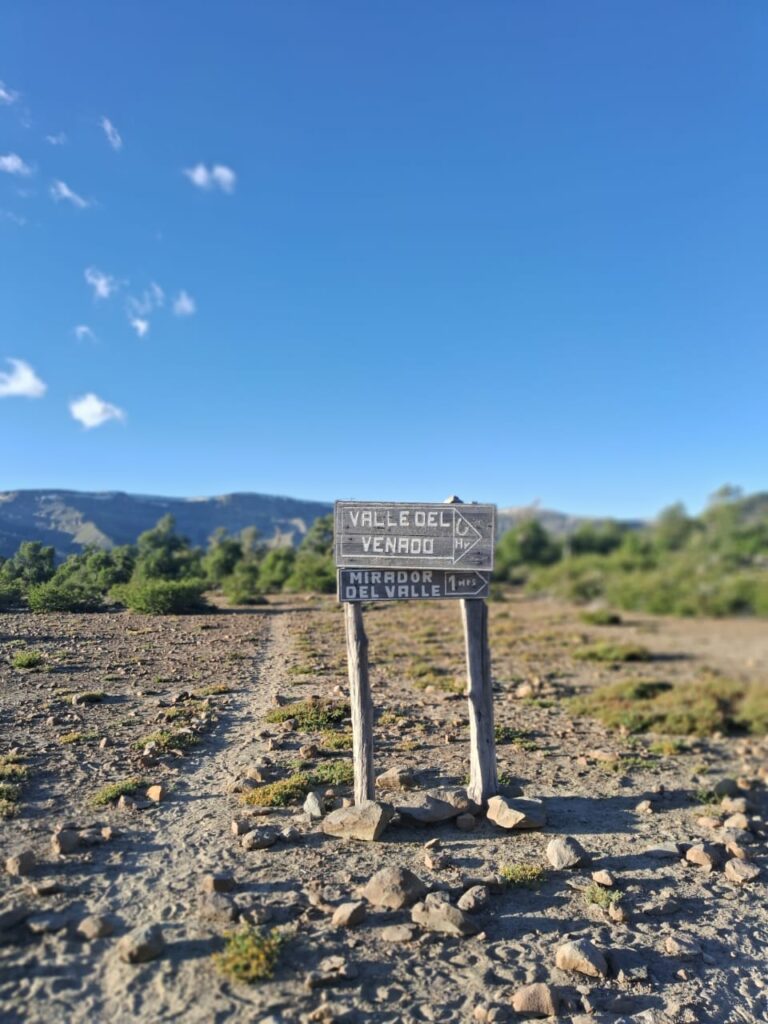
point(409, 535)
point(483, 777)
point(411, 584)
point(360, 702)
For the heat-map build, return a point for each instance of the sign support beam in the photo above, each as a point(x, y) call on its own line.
point(483, 775)
point(360, 702)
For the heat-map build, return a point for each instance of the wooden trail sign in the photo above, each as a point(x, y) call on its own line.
point(407, 548)
point(425, 536)
point(411, 584)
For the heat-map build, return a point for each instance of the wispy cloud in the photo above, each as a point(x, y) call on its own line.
point(13, 164)
point(151, 298)
point(56, 140)
point(140, 326)
point(84, 333)
point(218, 176)
point(184, 304)
point(103, 284)
point(60, 190)
point(113, 135)
point(14, 218)
point(92, 411)
point(21, 381)
point(7, 96)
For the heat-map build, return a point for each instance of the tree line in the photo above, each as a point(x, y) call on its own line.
point(712, 564)
point(163, 573)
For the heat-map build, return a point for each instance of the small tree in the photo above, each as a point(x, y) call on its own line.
point(164, 554)
point(32, 563)
point(276, 568)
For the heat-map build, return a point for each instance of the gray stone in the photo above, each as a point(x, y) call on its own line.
point(220, 881)
point(741, 871)
point(49, 923)
point(565, 852)
point(537, 1000)
point(706, 855)
point(398, 933)
point(217, 909)
point(259, 839)
point(14, 916)
point(313, 806)
point(20, 863)
point(683, 947)
point(581, 956)
point(347, 915)
point(65, 841)
point(365, 821)
point(427, 810)
point(662, 851)
point(396, 778)
point(394, 888)
point(466, 822)
point(474, 899)
point(516, 813)
point(141, 944)
point(628, 965)
point(96, 926)
point(443, 918)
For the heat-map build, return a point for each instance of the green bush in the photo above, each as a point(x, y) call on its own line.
point(59, 595)
point(276, 568)
point(10, 596)
point(160, 597)
point(243, 585)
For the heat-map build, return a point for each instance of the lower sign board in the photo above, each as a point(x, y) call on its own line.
point(411, 584)
point(396, 535)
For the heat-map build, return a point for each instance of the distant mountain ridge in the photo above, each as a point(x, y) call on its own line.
point(72, 520)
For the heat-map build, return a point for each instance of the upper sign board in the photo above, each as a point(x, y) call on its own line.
point(405, 536)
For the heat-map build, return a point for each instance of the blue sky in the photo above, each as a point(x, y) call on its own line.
point(511, 250)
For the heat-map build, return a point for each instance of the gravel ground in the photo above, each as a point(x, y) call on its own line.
point(688, 944)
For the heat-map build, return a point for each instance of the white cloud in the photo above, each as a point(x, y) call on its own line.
point(13, 164)
point(217, 176)
point(84, 333)
point(92, 411)
point(113, 135)
point(7, 95)
point(151, 298)
point(60, 190)
point(21, 381)
point(103, 285)
point(184, 304)
point(140, 326)
point(56, 140)
point(14, 218)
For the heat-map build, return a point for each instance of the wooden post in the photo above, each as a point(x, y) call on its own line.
point(361, 703)
point(483, 776)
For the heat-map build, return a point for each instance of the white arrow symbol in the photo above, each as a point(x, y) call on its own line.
point(463, 539)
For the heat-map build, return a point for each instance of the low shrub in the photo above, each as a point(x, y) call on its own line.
point(695, 707)
point(249, 955)
point(111, 794)
point(601, 617)
point(161, 597)
point(613, 653)
point(527, 876)
point(311, 715)
point(27, 659)
point(10, 596)
point(63, 595)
